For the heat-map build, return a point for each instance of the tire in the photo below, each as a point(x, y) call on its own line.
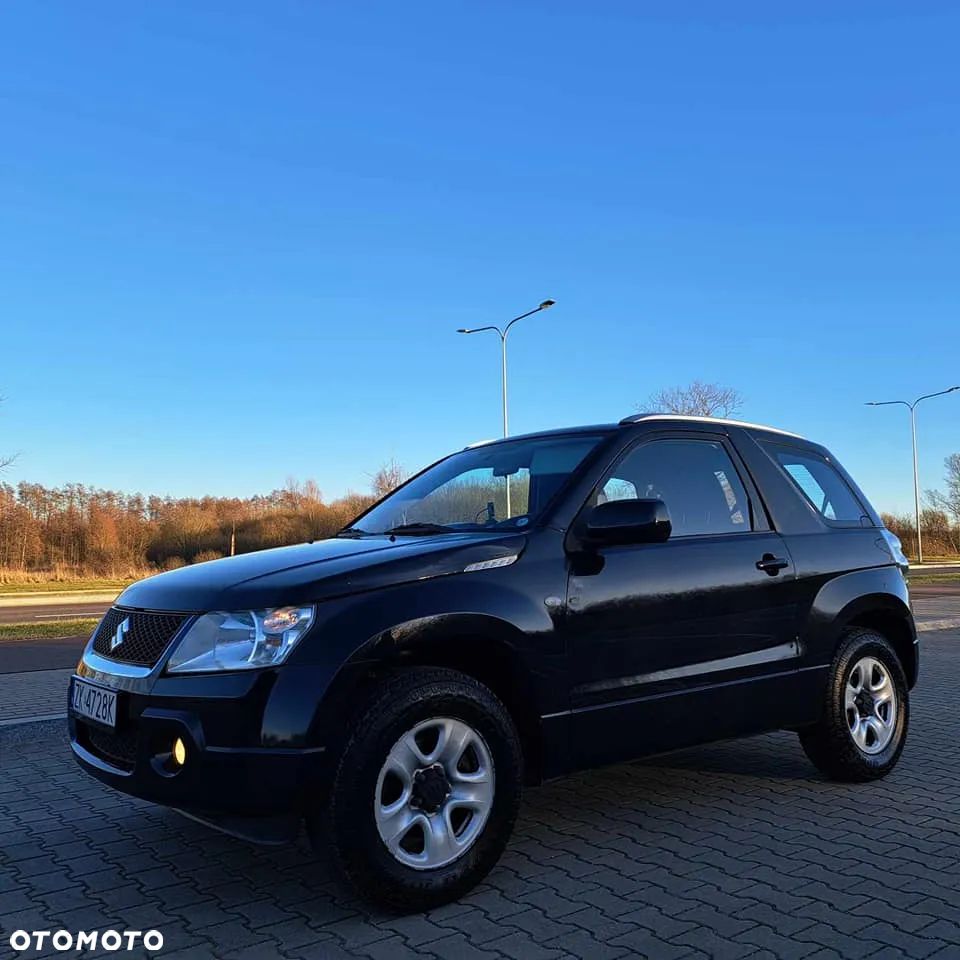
point(859, 740)
point(378, 768)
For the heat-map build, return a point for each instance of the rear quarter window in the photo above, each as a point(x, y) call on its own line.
point(820, 484)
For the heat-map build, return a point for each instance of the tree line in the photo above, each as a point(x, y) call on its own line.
point(939, 517)
point(941, 537)
point(76, 530)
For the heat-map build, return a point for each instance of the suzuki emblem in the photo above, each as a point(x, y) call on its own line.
point(120, 634)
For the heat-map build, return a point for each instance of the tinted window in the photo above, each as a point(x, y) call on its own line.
point(474, 497)
point(823, 488)
point(468, 491)
point(694, 478)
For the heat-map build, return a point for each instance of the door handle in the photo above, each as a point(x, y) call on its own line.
point(772, 565)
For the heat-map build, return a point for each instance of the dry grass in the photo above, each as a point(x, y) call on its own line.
point(64, 578)
point(935, 577)
point(94, 584)
point(49, 630)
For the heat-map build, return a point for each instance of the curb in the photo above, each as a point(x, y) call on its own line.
point(40, 718)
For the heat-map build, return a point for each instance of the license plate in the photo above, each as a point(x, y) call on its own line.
point(94, 703)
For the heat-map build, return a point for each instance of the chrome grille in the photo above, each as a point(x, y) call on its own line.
point(142, 636)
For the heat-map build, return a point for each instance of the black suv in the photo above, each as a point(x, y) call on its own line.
point(518, 610)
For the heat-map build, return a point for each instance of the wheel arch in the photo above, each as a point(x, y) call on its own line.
point(875, 597)
point(896, 624)
point(479, 646)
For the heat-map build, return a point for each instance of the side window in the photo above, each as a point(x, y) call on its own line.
point(694, 478)
point(820, 484)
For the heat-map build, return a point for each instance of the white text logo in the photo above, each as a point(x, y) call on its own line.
point(64, 940)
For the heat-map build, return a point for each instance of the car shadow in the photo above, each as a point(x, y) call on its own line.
point(777, 756)
point(718, 776)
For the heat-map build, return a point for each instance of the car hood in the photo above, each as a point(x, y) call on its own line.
point(315, 571)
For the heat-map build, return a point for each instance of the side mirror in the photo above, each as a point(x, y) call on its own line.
point(628, 521)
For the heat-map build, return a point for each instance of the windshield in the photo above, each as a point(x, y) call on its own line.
point(501, 485)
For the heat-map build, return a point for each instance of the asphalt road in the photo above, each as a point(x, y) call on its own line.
point(44, 612)
point(926, 591)
point(17, 656)
point(932, 602)
point(934, 568)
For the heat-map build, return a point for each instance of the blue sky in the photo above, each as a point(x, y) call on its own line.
point(237, 238)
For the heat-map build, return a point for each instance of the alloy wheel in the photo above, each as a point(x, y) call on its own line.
point(434, 793)
point(870, 702)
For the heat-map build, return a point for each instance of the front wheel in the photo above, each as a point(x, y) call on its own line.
point(866, 713)
point(426, 791)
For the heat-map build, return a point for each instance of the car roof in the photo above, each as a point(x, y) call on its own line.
point(684, 418)
point(597, 428)
point(634, 420)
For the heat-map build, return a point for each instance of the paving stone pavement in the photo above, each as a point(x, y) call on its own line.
point(33, 693)
point(730, 850)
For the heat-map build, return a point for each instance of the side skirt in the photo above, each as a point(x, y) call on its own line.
point(669, 720)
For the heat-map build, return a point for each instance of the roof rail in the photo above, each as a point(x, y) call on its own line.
point(640, 417)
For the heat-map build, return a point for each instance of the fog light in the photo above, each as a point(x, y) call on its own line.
point(179, 752)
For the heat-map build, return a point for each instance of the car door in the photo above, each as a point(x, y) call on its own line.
point(674, 643)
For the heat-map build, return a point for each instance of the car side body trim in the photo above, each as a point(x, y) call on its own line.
point(783, 651)
point(665, 694)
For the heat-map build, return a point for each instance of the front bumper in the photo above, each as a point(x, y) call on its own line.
point(213, 780)
point(228, 772)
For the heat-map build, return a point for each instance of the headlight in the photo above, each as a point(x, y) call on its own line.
point(243, 640)
point(896, 548)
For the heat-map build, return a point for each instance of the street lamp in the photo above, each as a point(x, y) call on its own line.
point(545, 305)
point(503, 349)
point(916, 470)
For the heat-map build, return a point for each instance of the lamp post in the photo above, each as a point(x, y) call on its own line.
point(502, 333)
point(912, 407)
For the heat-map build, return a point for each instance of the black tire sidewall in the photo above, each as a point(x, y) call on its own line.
point(362, 853)
point(880, 650)
point(866, 643)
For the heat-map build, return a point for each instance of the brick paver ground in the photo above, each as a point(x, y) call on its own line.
point(33, 693)
point(731, 850)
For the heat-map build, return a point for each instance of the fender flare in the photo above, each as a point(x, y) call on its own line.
point(877, 598)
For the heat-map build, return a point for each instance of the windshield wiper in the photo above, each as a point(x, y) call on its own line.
point(415, 529)
point(352, 532)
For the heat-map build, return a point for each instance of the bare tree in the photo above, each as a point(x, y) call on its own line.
point(5, 461)
point(390, 475)
point(948, 502)
point(698, 399)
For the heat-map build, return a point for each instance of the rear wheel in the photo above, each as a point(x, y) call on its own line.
point(866, 711)
point(426, 791)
